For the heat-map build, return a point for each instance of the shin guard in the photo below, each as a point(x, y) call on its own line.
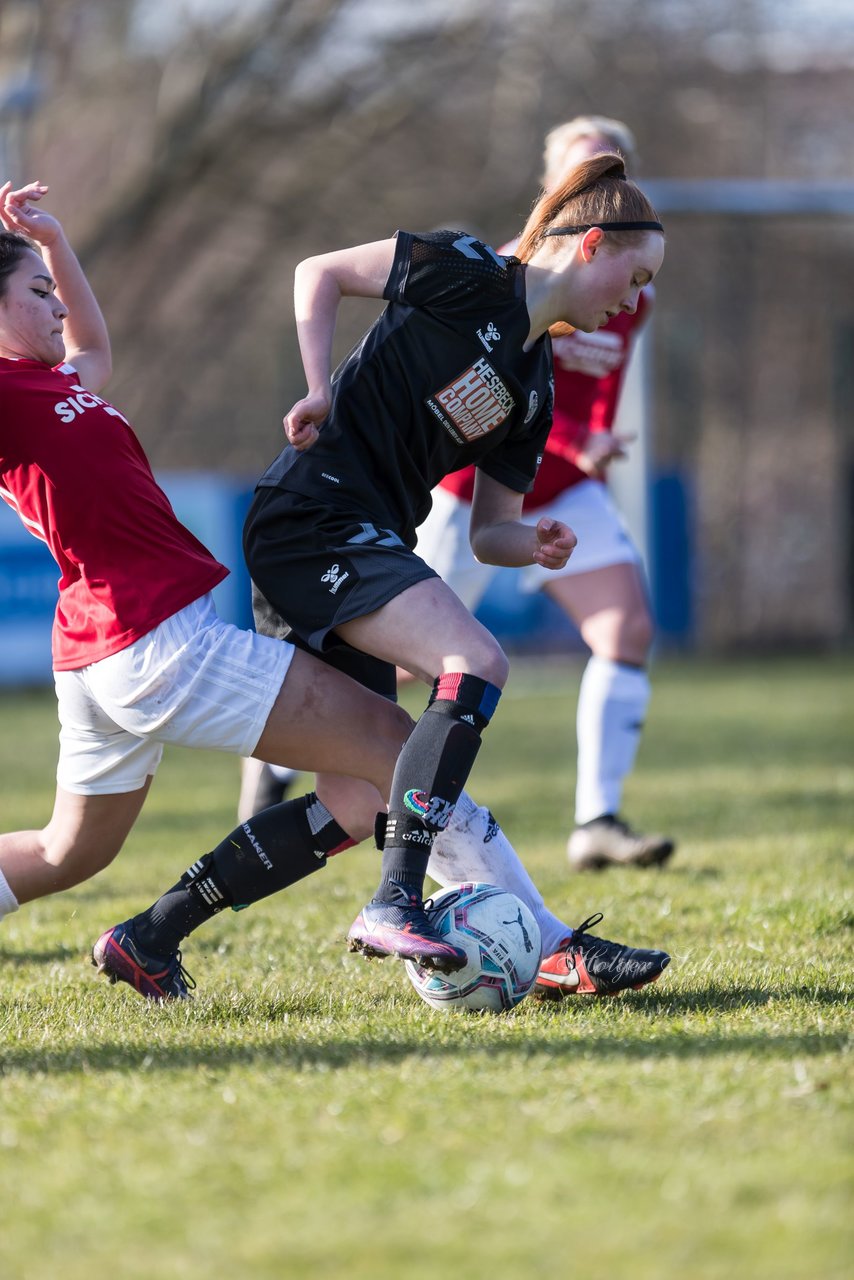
point(431, 772)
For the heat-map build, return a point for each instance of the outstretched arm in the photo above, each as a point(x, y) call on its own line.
point(595, 453)
point(498, 535)
point(87, 343)
point(319, 285)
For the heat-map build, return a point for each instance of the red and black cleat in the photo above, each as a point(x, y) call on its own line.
point(585, 965)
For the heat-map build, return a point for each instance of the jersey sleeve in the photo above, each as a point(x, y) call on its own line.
point(446, 269)
point(517, 459)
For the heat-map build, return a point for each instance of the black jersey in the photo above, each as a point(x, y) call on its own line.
point(439, 381)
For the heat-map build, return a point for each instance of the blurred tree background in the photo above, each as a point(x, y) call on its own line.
point(197, 149)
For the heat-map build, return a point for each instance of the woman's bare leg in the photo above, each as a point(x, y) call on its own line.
point(610, 609)
point(324, 721)
point(83, 836)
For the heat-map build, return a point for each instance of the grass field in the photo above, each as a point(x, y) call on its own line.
point(308, 1116)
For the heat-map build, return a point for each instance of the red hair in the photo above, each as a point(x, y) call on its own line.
point(595, 192)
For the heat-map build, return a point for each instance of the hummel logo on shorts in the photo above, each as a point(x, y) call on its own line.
point(335, 576)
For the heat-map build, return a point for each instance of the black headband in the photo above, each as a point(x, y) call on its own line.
point(604, 226)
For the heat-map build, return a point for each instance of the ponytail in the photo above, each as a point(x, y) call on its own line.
point(596, 193)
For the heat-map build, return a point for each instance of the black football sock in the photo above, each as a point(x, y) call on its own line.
point(272, 850)
point(431, 772)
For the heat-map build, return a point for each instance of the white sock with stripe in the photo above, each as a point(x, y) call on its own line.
point(612, 703)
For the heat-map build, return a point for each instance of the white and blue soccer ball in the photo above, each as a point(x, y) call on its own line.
point(499, 935)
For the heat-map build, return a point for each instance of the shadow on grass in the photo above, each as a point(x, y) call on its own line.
point(288, 1048)
point(378, 1050)
point(679, 870)
point(714, 1000)
point(21, 959)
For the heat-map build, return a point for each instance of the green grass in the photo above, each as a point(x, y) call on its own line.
point(308, 1116)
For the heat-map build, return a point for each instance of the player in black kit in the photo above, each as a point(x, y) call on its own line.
point(456, 370)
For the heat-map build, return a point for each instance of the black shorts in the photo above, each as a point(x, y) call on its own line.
point(314, 567)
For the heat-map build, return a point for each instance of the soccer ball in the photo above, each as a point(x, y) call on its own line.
point(501, 939)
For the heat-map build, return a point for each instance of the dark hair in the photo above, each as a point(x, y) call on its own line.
point(13, 246)
point(595, 192)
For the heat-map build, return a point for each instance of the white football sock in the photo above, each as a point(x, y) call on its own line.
point(473, 847)
point(8, 901)
point(612, 703)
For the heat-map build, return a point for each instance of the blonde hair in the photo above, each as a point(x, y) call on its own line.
point(562, 138)
point(595, 192)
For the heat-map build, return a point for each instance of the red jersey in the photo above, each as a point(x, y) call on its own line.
point(74, 471)
point(589, 369)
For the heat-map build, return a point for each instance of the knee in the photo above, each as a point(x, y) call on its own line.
point(353, 804)
point(499, 669)
point(635, 637)
point(490, 662)
point(627, 637)
point(404, 724)
point(389, 724)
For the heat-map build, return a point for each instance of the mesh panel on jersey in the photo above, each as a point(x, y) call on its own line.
point(481, 275)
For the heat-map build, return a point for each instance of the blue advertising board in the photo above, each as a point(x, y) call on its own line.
point(212, 506)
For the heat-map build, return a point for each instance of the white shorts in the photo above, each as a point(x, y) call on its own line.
point(588, 509)
point(195, 681)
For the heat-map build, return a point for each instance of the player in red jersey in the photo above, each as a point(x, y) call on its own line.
point(139, 655)
point(601, 587)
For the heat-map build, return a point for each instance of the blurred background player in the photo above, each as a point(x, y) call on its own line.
point(601, 588)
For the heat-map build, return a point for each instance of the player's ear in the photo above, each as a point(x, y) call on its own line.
point(591, 242)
